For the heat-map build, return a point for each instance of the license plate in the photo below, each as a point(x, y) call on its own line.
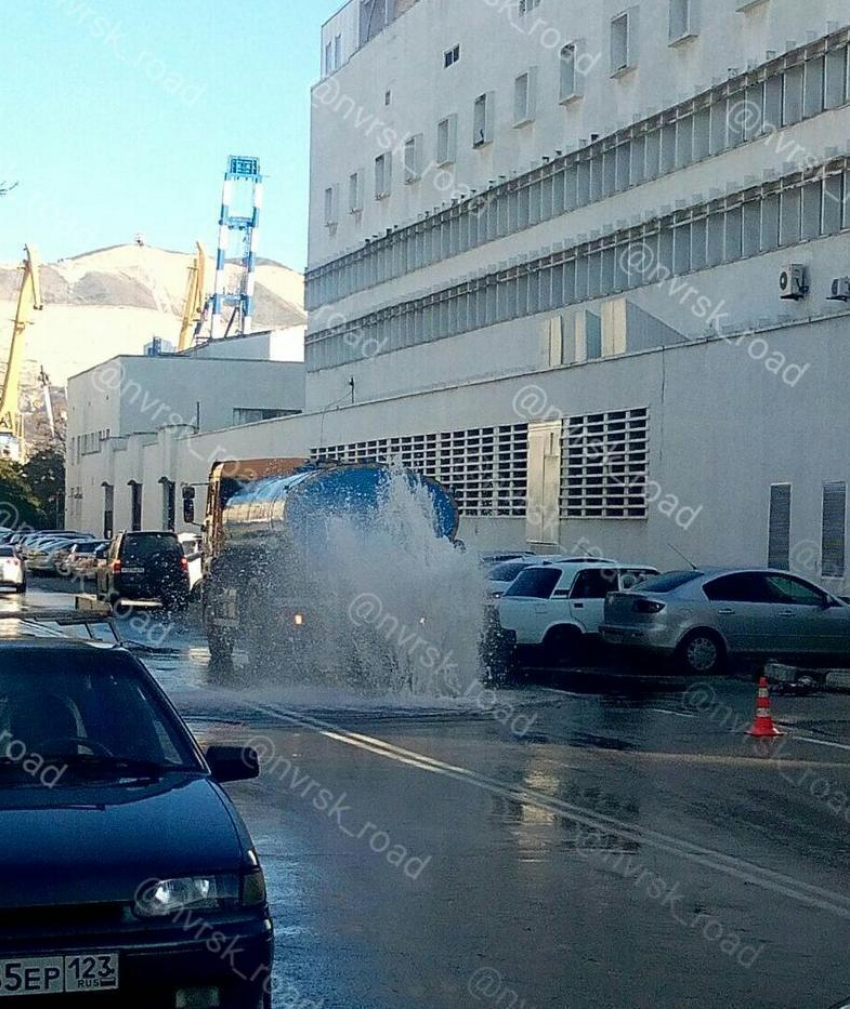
point(53, 975)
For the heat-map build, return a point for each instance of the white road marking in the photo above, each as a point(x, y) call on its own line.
point(729, 865)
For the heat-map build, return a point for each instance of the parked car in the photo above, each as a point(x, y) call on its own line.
point(116, 833)
point(500, 557)
point(80, 563)
point(13, 569)
point(559, 603)
point(144, 567)
point(502, 576)
point(192, 544)
point(704, 618)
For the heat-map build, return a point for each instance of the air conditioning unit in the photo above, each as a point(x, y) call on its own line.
point(793, 282)
point(840, 289)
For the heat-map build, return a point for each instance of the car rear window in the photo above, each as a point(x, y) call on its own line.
point(672, 580)
point(536, 583)
point(7, 551)
point(141, 548)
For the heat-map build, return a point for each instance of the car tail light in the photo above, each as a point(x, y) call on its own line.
point(116, 567)
point(647, 606)
point(184, 563)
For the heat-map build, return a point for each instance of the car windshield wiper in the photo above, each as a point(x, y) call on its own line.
point(115, 766)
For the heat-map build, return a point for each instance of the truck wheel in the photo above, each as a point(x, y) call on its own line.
point(221, 650)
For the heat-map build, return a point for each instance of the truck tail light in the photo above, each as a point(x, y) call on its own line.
point(116, 567)
point(184, 563)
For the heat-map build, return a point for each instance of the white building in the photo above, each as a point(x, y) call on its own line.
point(130, 413)
point(576, 259)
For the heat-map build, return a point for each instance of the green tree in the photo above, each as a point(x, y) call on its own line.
point(19, 506)
point(44, 474)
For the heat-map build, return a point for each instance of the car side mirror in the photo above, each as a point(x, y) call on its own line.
point(233, 763)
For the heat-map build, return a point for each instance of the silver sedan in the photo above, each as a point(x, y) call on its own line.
point(704, 618)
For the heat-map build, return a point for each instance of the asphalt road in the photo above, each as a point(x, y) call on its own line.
point(578, 848)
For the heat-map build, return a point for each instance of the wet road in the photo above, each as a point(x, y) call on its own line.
point(541, 848)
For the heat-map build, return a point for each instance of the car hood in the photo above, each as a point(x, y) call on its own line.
point(93, 844)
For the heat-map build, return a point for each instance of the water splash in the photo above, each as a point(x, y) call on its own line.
point(376, 602)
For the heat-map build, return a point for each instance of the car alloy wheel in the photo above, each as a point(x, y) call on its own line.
point(702, 654)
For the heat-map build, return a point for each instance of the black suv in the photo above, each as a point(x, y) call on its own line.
point(127, 877)
point(143, 566)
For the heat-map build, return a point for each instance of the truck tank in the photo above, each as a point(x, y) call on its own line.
point(270, 508)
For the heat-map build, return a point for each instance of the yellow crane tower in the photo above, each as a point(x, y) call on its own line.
point(195, 304)
point(29, 300)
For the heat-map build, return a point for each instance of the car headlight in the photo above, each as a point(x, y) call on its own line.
point(160, 898)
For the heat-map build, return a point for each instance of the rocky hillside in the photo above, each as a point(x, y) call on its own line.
point(114, 301)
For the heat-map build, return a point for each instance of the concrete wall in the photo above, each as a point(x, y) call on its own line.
point(352, 125)
point(724, 425)
point(274, 345)
point(129, 395)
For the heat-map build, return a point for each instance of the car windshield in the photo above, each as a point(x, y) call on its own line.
point(89, 710)
point(667, 583)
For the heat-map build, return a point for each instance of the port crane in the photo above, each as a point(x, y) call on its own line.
point(195, 304)
point(29, 301)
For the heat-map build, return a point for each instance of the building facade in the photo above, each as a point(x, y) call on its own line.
point(587, 264)
point(127, 415)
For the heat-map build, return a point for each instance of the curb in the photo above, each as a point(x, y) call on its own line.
point(832, 680)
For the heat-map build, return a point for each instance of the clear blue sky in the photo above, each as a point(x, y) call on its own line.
point(118, 117)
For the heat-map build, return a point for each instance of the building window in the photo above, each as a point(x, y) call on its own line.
point(486, 468)
point(483, 117)
point(834, 530)
point(383, 176)
point(108, 511)
point(525, 97)
point(624, 41)
point(451, 56)
point(570, 87)
point(337, 52)
point(169, 500)
point(413, 150)
point(355, 192)
point(135, 506)
point(332, 206)
point(447, 140)
point(605, 465)
point(527, 5)
point(683, 19)
point(329, 58)
point(253, 415)
point(779, 527)
point(388, 98)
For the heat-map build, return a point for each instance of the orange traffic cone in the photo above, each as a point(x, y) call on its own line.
point(763, 725)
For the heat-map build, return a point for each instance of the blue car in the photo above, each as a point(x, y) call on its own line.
point(127, 877)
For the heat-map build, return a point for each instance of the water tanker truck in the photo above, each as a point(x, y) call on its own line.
point(267, 539)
